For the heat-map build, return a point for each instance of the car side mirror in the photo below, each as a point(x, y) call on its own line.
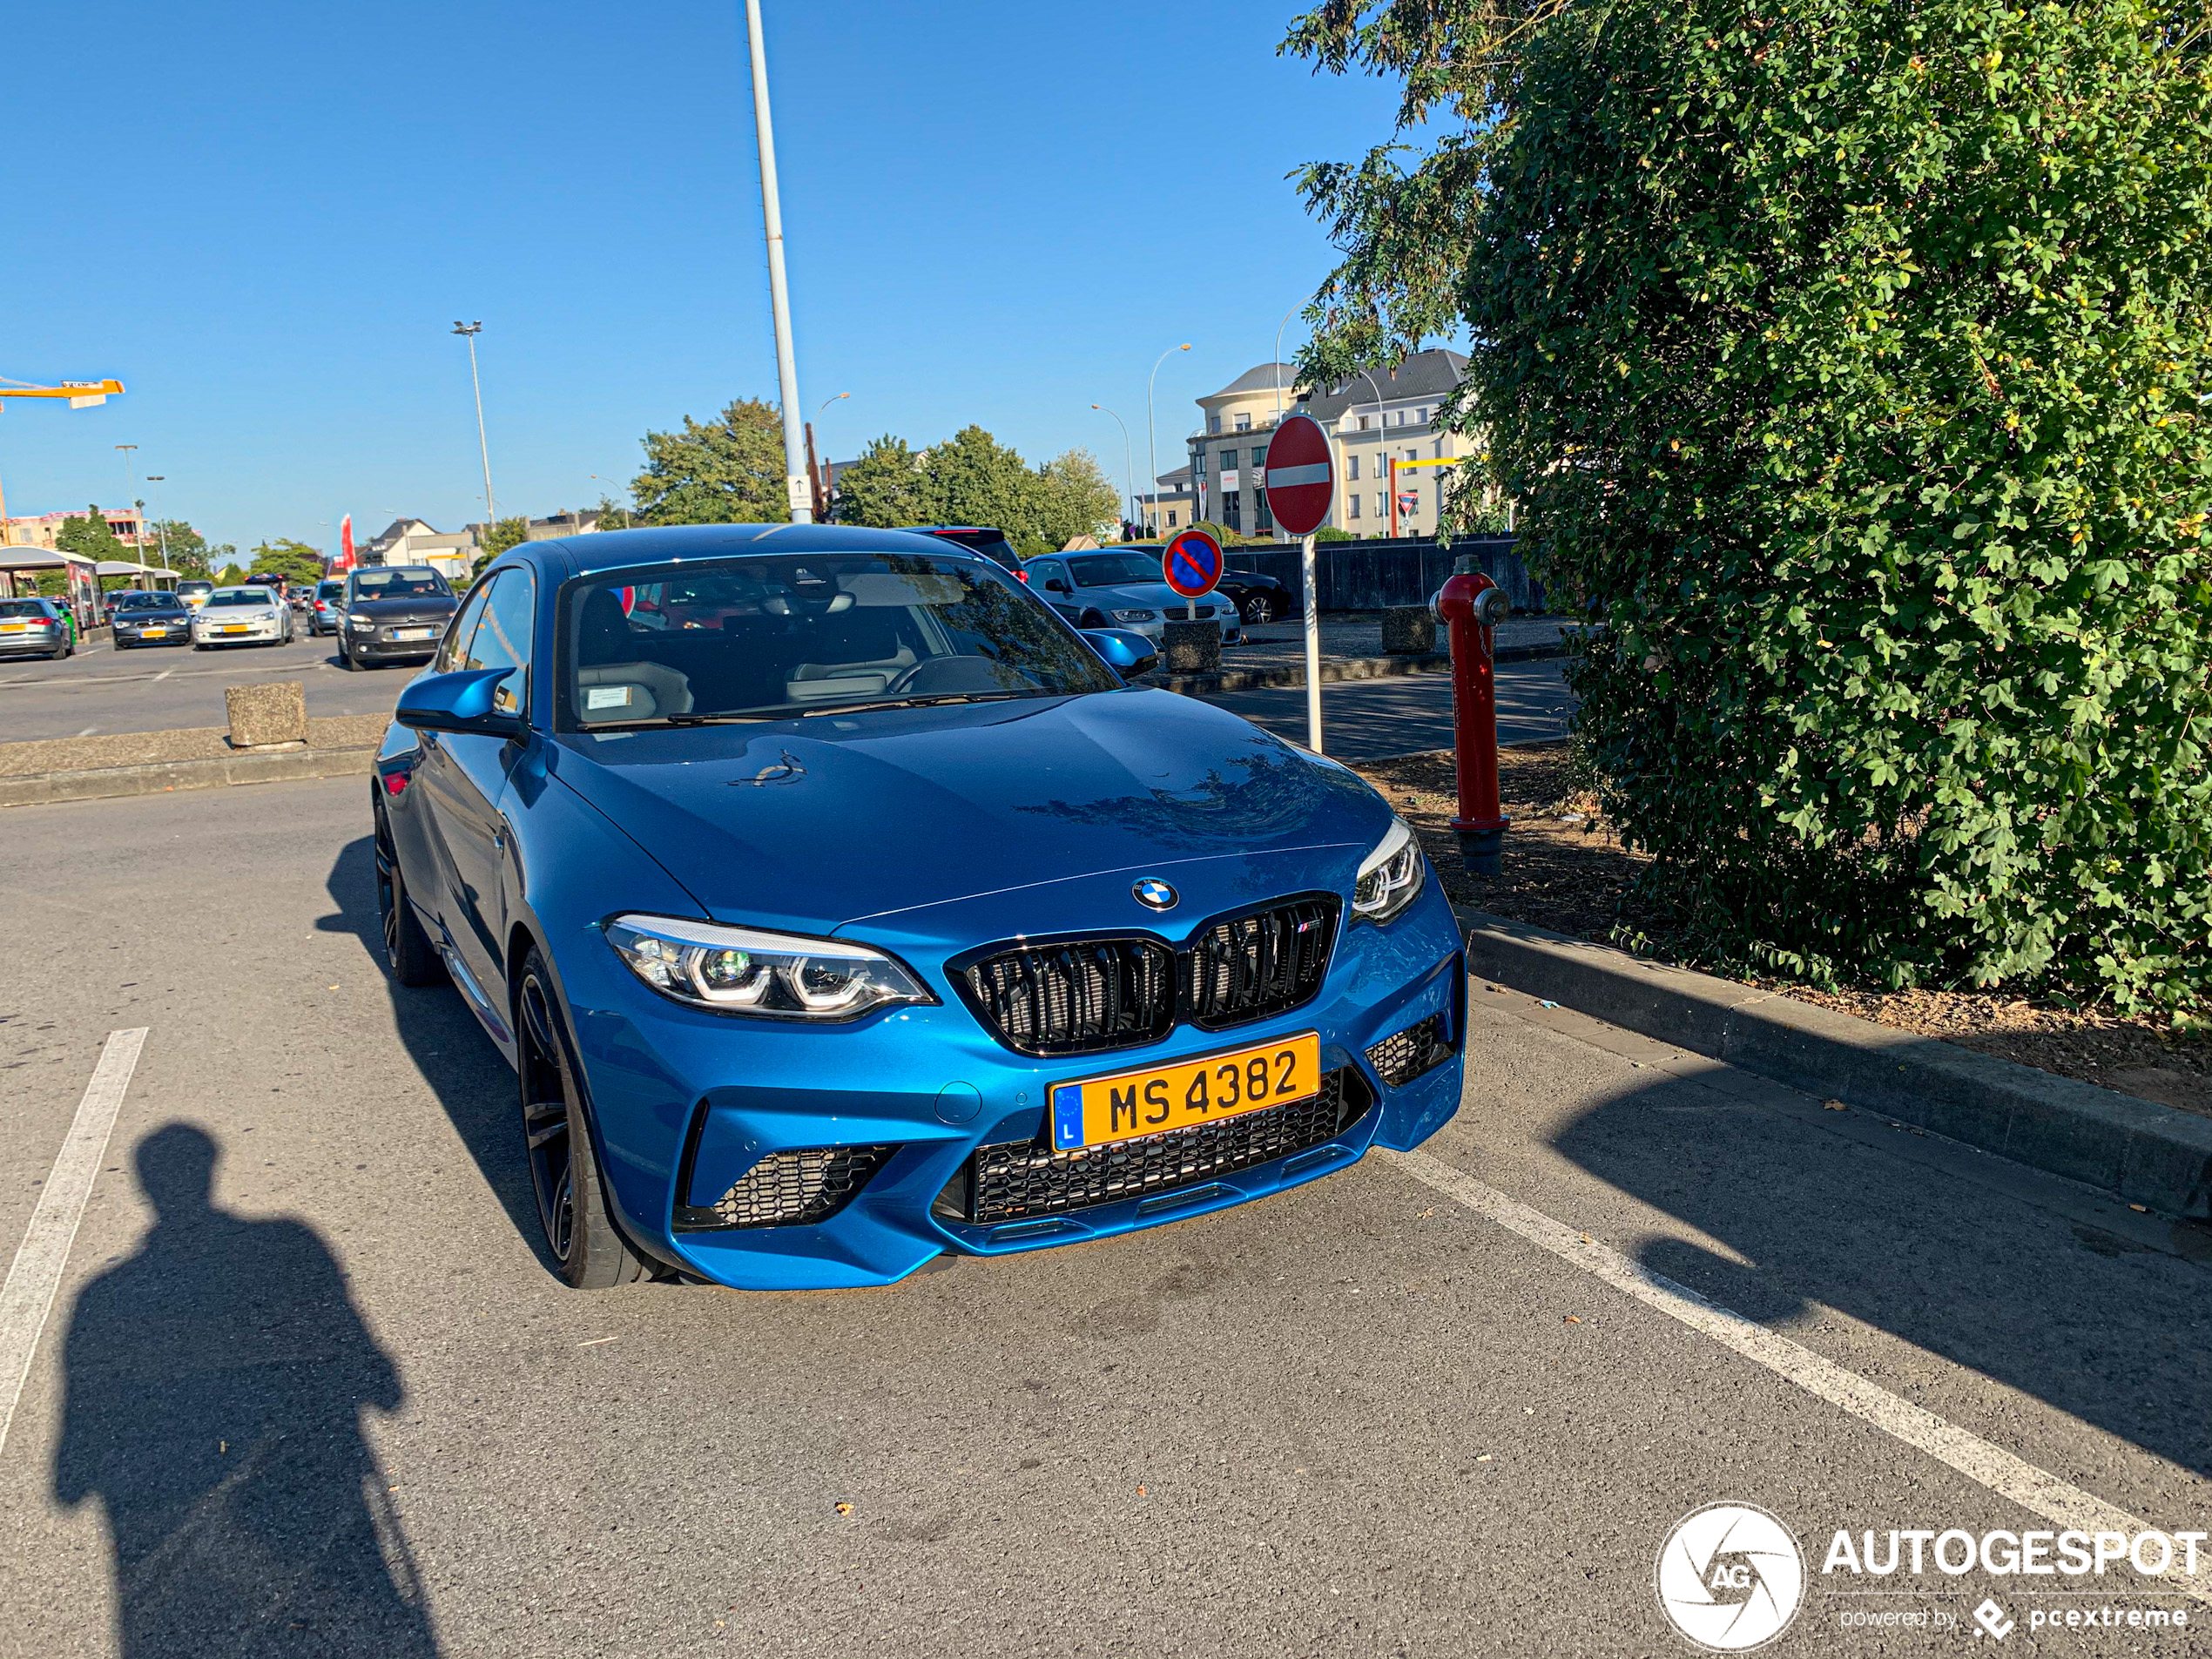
point(1054, 584)
point(1130, 654)
point(458, 702)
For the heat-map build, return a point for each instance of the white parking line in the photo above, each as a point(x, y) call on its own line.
point(28, 1297)
point(2036, 1490)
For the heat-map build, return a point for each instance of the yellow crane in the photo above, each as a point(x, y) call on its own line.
point(81, 395)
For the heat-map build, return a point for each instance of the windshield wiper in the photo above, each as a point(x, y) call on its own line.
point(660, 720)
point(930, 701)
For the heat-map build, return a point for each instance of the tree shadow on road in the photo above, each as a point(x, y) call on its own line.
point(472, 1081)
point(214, 1385)
point(2100, 1327)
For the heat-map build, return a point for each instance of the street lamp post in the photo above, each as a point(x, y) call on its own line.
point(161, 524)
point(469, 331)
point(1279, 327)
point(796, 483)
point(1129, 467)
point(1151, 438)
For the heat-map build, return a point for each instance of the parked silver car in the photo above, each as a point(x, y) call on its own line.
point(247, 615)
point(1121, 588)
point(34, 628)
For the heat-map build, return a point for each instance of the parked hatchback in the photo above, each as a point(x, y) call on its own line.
point(34, 628)
point(327, 610)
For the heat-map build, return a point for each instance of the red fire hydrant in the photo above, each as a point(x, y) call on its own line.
point(1470, 605)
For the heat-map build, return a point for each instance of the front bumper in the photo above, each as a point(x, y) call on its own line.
point(689, 1100)
point(379, 644)
point(175, 633)
point(252, 633)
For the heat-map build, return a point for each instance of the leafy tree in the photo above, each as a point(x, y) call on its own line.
point(294, 561)
point(886, 488)
point(503, 534)
point(975, 479)
point(89, 537)
point(615, 517)
point(1845, 358)
point(230, 577)
point(1076, 499)
point(726, 471)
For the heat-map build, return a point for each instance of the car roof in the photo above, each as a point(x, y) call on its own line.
point(668, 544)
point(960, 530)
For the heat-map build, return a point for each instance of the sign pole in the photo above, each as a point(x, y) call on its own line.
point(1312, 643)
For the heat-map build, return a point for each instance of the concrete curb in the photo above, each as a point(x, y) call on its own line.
point(1335, 669)
point(2147, 1154)
point(100, 783)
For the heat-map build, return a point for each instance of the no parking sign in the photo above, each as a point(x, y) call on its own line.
point(1192, 565)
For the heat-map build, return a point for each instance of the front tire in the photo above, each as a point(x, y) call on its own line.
point(407, 953)
point(572, 1209)
point(346, 659)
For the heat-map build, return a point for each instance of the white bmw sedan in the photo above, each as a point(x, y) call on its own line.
point(241, 616)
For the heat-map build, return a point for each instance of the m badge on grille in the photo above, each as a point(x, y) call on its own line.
point(1154, 894)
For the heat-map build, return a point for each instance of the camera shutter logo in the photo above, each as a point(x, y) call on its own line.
point(1730, 1577)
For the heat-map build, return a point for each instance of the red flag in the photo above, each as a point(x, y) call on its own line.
point(345, 542)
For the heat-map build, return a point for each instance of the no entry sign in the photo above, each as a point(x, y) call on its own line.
point(1301, 480)
point(1193, 563)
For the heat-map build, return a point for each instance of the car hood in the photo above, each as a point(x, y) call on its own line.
point(402, 609)
point(812, 823)
point(1152, 595)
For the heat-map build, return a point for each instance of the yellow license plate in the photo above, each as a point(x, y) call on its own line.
point(232, 628)
point(13, 627)
point(151, 633)
point(1100, 1110)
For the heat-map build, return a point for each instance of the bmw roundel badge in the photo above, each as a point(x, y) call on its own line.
point(1154, 894)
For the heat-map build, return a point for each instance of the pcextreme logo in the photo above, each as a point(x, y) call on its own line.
point(1730, 1577)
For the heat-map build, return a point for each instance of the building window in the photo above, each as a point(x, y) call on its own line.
point(1197, 464)
point(1171, 518)
point(1363, 423)
point(1262, 517)
point(1213, 423)
point(1244, 423)
point(1421, 415)
point(1352, 502)
point(1412, 455)
point(1352, 465)
point(1228, 461)
point(1439, 448)
point(1382, 504)
point(1232, 509)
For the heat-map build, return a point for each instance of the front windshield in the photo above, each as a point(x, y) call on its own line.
point(151, 602)
point(400, 583)
point(774, 638)
point(1114, 570)
point(241, 596)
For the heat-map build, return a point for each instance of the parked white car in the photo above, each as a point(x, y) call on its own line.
point(251, 616)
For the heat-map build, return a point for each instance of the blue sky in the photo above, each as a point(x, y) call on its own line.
point(265, 220)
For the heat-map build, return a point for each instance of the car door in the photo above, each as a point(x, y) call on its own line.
point(466, 779)
point(1050, 578)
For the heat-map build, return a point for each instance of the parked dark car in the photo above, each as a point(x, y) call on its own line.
point(35, 628)
point(152, 619)
point(328, 606)
point(1259, 598)
point(993, 545)
point(393, 613)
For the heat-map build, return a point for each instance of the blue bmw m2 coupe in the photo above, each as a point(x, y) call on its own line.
point(838, 905)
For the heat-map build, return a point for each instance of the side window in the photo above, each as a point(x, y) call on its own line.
point(504, 639)
point(452, 651)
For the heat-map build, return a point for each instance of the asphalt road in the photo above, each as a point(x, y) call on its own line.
point(153, 688)
point(337, 1405)
point(1367, 720)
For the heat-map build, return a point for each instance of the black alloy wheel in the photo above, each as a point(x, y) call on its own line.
point(565, 1174)
point(408, 951)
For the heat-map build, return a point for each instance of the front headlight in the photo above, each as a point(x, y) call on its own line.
point(777, 976)
point(360, 621)
point(1389, 877)
point(1135, 615)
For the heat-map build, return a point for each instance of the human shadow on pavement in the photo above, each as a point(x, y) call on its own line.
point(2101, 1326)
point(472, 1080)
point(214, 1385)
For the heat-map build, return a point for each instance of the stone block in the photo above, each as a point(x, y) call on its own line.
point(1408, 631)
point(267, 717)
point(1191, 647)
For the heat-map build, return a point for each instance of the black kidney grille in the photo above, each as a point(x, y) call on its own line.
point(1019, 1179)
point(1076, 998)
point(1251, 966)
point(1404, 1055)
point(1090, 994)
point(794, 1188)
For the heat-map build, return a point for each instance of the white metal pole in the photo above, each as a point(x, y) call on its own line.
point(1151, 441)
point(772, 214)
point(1128, 468)
point(1312, 643)
point(484, 444)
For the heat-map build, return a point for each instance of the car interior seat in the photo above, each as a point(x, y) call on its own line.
point(613, 681)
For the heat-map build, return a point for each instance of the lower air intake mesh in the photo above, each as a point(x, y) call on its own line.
point(1404, 1055)
point(1017, 1179)
point(790, 1188)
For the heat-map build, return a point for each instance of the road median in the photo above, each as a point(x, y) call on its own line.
point(2159, 1157)
point(156, 777)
